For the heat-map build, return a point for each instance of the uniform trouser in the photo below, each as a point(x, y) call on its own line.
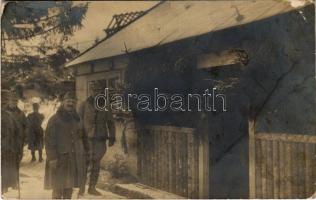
point(97, 149)
point(9, 170)
point(39, 154)
point(62, 193)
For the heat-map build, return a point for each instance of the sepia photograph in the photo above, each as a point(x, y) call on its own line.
point(178, 99)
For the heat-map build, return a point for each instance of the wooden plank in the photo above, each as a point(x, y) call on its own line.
point(139, 153)
point(190, 162)
point(308, 170)
point(146, 163)
point(156, 155)
point(165, 159)
point(181, 165)
point(150, 153)
point(282, 171)
point(171, 166)
point(143, 157)
point(257, 175)
point(185, 165)
point(314, 168)
point(177, 166)
point(252, 159)
point(301, 170)
point(287, 137)
point(148, 157)
point(294, 170)
point(287, 167)
point(196, 165)
point(174, 162)
point(270, 178)
point(152, 157)
point(159, 161)
point(180, 162)
point(161, 171)
point(203, 165)
point(264, 168)
point(276, 170)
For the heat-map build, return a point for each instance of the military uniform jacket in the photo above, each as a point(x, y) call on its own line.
point(95, 123)
point(10, 150)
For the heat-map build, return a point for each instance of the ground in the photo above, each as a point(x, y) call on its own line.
point(32, 183)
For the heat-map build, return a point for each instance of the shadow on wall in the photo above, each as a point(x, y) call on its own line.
point(279, 79)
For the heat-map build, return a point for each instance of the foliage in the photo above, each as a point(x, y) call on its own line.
point(33, 35)
point(25, 20)
point(118, 167)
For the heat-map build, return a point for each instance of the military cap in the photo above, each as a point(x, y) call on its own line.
point(69, 95)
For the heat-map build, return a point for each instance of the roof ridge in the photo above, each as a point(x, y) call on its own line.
point(121, 20)
point(109, 36)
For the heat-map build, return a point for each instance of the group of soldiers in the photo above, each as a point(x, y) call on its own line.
point(74, 142)
point(16, 131)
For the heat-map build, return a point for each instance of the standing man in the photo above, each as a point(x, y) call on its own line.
point(10, 145)
point(64, 144)
point(99, 127)
point(35, 132)
point(20, 118)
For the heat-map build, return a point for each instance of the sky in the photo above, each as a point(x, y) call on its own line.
point(99, 15)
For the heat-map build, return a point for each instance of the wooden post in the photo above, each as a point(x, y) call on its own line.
point(204, 164)
point(252, 153)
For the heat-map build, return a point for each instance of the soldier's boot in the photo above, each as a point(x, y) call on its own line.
point(33, 156)
point(93, 182)
point(81, 191)
point(94, 175)
point(40, 156)
point(94, 191)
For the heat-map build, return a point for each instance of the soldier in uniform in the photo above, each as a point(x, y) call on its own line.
point(99, 127)
point(19, 116)
point(10, 144)
point(64, 144)
point(35, 132)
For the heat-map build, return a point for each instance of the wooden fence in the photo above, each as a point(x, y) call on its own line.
point(169, 159)
point(284, 166)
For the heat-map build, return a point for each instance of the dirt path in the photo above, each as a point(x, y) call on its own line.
point(32, 183)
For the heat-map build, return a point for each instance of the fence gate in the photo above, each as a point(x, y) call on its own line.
point(282, 165)
point(169, 159)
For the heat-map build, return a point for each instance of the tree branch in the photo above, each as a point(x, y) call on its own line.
point(33, 35)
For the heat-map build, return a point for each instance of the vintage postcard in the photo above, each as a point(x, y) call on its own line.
point(158, 99)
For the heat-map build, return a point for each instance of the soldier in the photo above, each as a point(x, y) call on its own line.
point(19, 116)
point(64, 144)
point(10, 145)
point(35, 132)
point(99, 127)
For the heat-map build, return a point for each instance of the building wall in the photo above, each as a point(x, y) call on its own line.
point(99, 70)
point(278, 83)
point(107, 69)
point(276, 88)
